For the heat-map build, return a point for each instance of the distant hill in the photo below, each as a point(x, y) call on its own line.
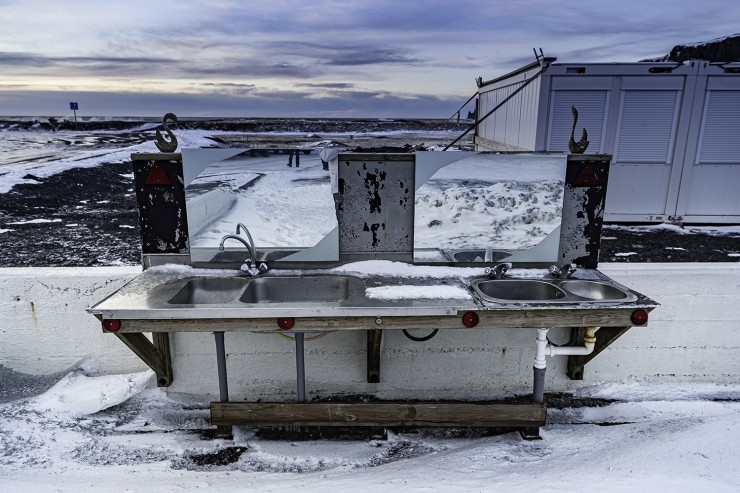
point(725, 49)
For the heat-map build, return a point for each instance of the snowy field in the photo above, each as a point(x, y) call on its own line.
point(90, 433)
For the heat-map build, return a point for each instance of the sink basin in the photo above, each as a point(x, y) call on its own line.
point(209, 290)
point(273, 255)
point(306, 289)
point(519, 290)
point(594, 290)
point(477, 255)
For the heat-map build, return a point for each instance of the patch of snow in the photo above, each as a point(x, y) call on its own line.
point(733, 254)
point(406, 292)
point(5, 230)
point(38, 221)
point(625, 254)
point(390, 268)
point(675, 248)
point(706, 230)
point(78, 394)
point(126, 226)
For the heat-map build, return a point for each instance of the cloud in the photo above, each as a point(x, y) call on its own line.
point(327, 85)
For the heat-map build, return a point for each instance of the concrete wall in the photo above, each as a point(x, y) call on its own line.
point(694, 336)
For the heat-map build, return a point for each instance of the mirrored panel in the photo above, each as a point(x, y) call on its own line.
point(468, 204)
point(283, 197)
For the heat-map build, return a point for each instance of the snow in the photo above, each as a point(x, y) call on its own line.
point(625, 254)
point(688, 230)
point(410, 292)
point(41, 154)
point(37, 221)
point(91, 433)
point(389, 268)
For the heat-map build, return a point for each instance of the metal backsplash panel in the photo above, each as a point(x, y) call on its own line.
point(586, 180)
point(375, 206)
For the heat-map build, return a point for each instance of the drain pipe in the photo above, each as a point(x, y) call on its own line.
point(544, 348)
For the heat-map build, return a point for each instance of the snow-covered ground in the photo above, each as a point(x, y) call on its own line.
point(92, 433)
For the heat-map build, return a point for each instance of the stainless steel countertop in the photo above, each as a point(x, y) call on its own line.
point(147, 297)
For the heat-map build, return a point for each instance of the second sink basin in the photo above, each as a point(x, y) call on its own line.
point(209, 290)
point(307, 289)
point(519, 290)
point(594, 290)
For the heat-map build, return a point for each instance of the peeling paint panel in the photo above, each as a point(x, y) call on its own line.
point(160, 195)
point(376, 204)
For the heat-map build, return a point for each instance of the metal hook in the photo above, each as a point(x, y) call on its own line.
point(163, 144)
point(580, 146)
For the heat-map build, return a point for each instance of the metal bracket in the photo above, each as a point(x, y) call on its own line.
point(374, 337)
point(156, 355)
point(605, 336)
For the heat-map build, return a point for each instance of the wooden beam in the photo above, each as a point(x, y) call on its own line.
point(374, 338)
point(605, 336)
point(485, 414)
point(489, 319)
point(150, 354)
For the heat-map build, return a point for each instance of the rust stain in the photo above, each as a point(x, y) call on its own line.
point(33, 311)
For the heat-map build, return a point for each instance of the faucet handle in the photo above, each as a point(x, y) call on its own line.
point(498, 271)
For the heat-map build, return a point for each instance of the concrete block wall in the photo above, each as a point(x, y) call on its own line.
point(693, 336)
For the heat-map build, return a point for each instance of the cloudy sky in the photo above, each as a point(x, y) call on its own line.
point(347, 58)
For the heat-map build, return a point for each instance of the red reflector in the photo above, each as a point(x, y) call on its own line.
point(286, 323)
point(639, 317)
point(586, 178)
point(157, 176)
point(470, 320)
point(111, 325)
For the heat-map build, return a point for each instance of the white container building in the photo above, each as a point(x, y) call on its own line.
point(673, 130)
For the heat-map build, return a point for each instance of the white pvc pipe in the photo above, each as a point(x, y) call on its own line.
point(589, 341)
point(539, 359)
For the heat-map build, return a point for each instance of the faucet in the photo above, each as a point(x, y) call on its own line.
point(562, 272)
point(250, 267)
point(499, 271)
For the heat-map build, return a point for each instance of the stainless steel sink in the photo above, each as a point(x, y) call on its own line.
point(549, 291)
point(306, 289)
point(477, 255)
point(517, 290)
point(209, 290)
point(594, 290)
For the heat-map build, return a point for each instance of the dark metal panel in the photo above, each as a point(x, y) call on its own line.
point(586, 180)
point(160, 194)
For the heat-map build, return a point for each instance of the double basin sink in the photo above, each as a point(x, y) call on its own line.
point(344, 289)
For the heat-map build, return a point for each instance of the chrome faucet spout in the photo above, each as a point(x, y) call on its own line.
point(238, 238)
point(252, 249)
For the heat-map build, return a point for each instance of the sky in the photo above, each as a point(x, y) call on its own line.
point(302, 58)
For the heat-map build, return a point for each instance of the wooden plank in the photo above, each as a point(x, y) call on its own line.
point(149, 354)
point(379, 414)
point(532, 318)
point(161, 341)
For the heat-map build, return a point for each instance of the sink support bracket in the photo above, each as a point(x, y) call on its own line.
point(155, 354)
point(374, 338)
point(605, 336)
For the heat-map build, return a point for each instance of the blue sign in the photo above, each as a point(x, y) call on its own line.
point(74, 106)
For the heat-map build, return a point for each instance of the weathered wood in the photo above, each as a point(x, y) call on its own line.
point(494, 319)
point(605, 336)
point(161, 341)
point(374, 338)
point(151, 355)
point(378, 414)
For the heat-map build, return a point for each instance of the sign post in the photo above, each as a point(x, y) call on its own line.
point(74, 107)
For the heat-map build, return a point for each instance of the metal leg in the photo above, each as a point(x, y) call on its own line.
point(300, 367)
point(223, 384)
point(223, 431)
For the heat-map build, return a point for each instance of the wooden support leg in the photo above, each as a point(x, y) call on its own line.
point(374, 337)
point(156, 355)
point(605, 336)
